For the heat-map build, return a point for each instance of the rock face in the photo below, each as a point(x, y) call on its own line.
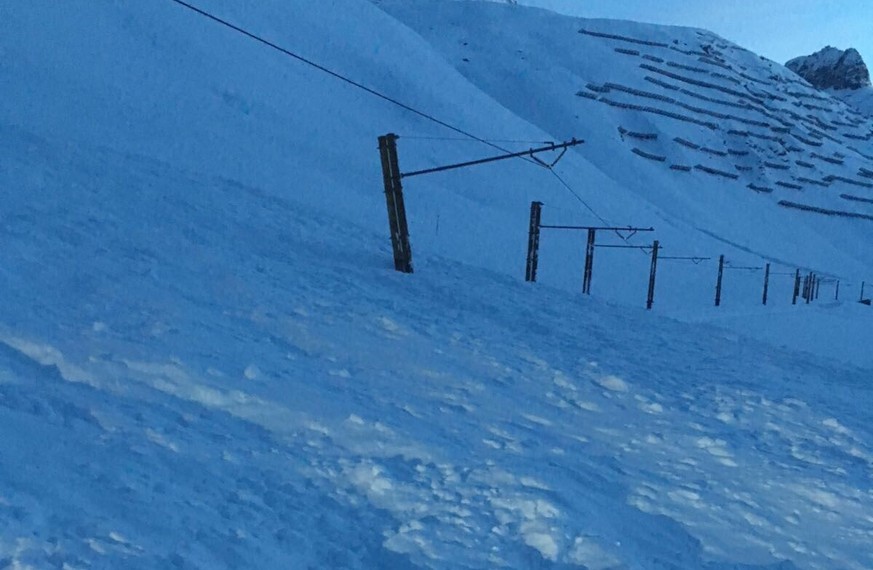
point(832, 69)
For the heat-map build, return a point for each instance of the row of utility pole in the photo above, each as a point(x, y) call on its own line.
point(392, 179)
point(533, 245)
point(806, 287)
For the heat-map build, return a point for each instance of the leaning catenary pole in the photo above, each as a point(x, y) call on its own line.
point(589, 261)
point(395, 204)
point(533, 242)
point(718, 282)
point(650, 300)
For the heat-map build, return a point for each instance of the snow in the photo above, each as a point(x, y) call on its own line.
point(613, 383)
point(727, 218)
point(861, 99)
point(207, 361)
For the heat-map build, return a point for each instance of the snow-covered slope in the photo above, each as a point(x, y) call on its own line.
point(241, 383)
point(684, 108)
point(737, 154)
point(861, 99)
point(206, 360)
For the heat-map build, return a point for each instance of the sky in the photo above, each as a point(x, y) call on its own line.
point(776, 29)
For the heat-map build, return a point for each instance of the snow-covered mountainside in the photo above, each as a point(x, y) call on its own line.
point(207, 360)
point(860, 99)
point(840, 72)
point(683, 107)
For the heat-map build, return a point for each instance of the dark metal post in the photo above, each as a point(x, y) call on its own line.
point(533, 242)
point(817, 286)
point(796, 287)
point(589, 261)
point(652, 272)
point(395, 204)
point(808, 289)
point(766, 281)
point(837, 294)
point(718, 283)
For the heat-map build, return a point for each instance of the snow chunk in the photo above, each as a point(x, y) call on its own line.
point(588, 406)
point(835, 425)
point(652, 408)
point(586, 552)
point(536, 420)
point(543, 542)
point(533, 483)
point(613, 383)
point(390, 326)
point(368, 477)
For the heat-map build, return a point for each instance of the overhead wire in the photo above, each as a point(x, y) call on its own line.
point(427, 116)
point(569, 188)
point(393, 101)
point(575, 194)
point(341, 77)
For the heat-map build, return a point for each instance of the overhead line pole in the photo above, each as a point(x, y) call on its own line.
point(534, 242)
point(392, 179)
point(719, 281)
point(589, 261)
point(591, 245)
point(394, 201)
point(652, 272)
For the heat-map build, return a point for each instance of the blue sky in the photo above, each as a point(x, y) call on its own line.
point(776, 29)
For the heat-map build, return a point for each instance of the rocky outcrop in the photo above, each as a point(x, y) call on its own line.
point(832, 69)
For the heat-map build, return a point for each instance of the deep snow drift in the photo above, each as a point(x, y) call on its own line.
point(207, 362)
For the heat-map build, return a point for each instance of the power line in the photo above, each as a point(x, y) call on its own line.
point(387, 98)
point(339, 76)
point(569, 188)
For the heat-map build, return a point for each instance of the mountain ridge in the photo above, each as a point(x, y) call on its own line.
point(841, 73)
point(832, 69)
